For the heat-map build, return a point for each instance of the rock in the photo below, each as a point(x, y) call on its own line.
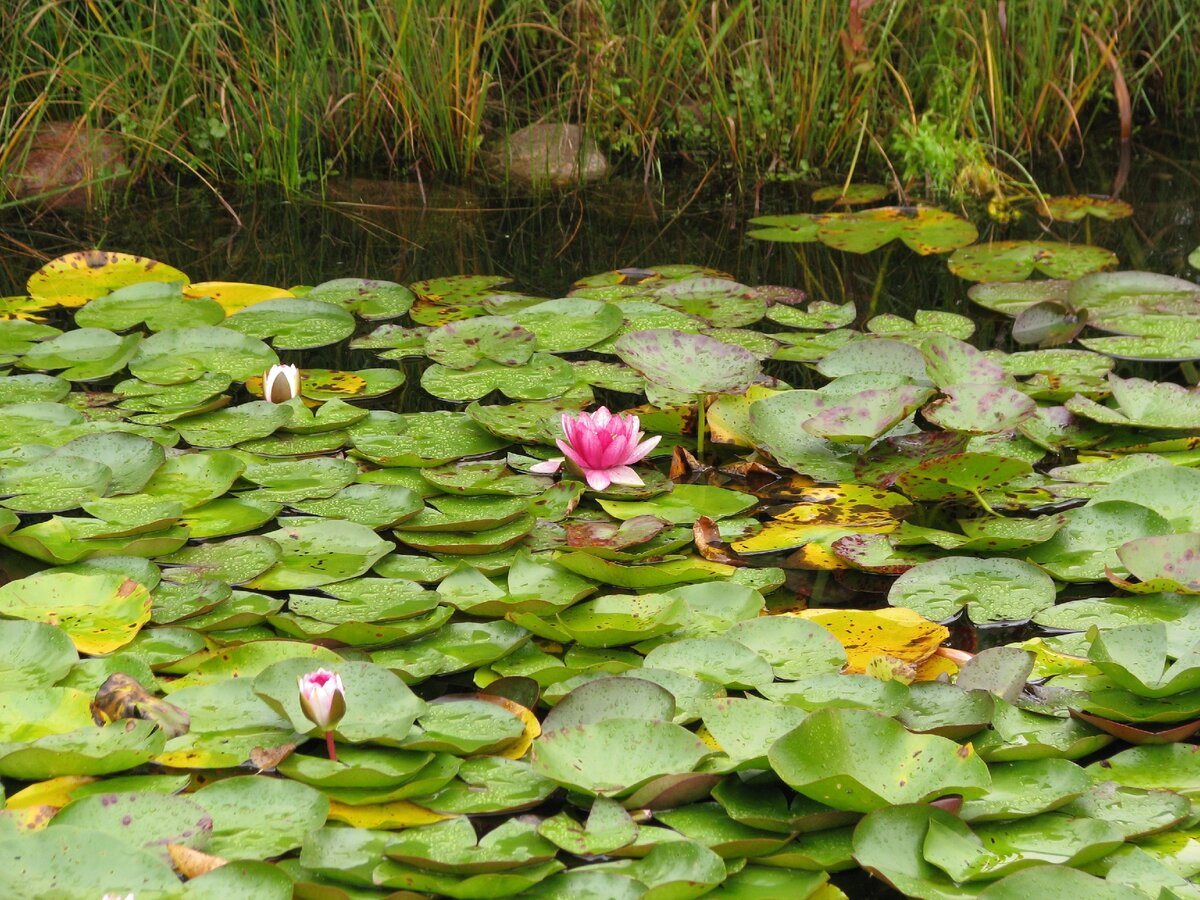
point(552, 153)
point(71, 162)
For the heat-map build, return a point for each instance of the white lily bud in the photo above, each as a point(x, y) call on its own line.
point(281, 384)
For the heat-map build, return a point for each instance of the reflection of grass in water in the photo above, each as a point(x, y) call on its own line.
point(277, 92)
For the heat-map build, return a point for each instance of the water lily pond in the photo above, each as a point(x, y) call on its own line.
point(670, 584)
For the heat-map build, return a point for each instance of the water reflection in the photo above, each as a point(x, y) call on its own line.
point(407, 230)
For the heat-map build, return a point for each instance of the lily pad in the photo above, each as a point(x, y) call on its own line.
point(923, 229)
point(1016, 260)
point(184, 354)
point(690, 364)
point(75, 278)
point(614, 757)
point(460, 345)
point(821, 760)
point(992, 590)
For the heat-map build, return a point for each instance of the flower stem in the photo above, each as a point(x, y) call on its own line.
point(330, 746)
point(700, 426)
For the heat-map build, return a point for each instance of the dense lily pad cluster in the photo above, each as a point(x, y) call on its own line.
point(557, 692)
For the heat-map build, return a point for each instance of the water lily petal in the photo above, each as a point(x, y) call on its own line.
point(548, 467)
point(625, 475)
point(597, 479)
point(642, 450)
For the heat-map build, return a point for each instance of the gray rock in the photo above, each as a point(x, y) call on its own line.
point(552, 153)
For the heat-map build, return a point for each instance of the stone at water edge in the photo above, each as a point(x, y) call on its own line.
point(71, 161)
point(551, 153)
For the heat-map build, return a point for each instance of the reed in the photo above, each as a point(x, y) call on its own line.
point(287, 92)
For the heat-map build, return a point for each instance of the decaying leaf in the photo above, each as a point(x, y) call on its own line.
point(122, 697)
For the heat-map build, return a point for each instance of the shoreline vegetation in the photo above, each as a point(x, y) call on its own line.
point(948, 97)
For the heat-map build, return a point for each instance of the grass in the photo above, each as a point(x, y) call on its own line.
point(287, 92)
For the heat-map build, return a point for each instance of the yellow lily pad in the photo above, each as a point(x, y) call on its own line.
point(235, 295)
point(899, 633)
point(74, 279)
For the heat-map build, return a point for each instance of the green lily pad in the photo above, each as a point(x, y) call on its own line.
point(992, 590)
point(745, 728)
point(715, 659)
point(1086, 545)
point(1135, 657)
point(691, 364)
point(608, 827)
point(683, 505)
point(1160, 563)
point(34, 654)
point(460, 345)
point(819, 314)
point(452, 846)
point(81, 862)
point(1028, 788)
point(1171, 491)
point(421, 439)
point(1016, 260)
point(374, 505)
point(293, 323)
point(872, 413)
point(795, 228)
point(772, 426)
point(1073, 207)
point(1174, 767)
point(568, 324)
point(320, 552)
point(1018, 734)
point(993, 850)
point(720, 302)
point(367, 297)
point(85, 354)
point(185, 354)
point(454, 647)
point(145, 820)
point(161, 305)
point(924, 322)
point(1137, 812)
point(233, 425)
point(821, 760)
point(923, 229)
point(257, 817)
point(614, 757)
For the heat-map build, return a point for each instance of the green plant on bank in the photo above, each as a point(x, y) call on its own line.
point(281, 92)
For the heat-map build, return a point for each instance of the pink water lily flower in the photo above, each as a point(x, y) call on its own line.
point(603, 447)
point(322, 698)
point(323, 702)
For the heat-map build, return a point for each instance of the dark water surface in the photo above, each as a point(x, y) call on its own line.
point(404, 231)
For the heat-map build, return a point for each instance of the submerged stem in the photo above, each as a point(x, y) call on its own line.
point(984, 503)
point(700, 426)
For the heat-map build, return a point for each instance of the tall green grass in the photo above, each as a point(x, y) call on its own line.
point(287, 91)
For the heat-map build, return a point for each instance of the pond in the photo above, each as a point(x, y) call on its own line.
point(894, 573)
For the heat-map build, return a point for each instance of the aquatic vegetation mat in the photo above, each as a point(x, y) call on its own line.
point(622, 612)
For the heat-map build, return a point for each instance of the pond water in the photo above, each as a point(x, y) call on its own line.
point(405, 231)
point(417, 635)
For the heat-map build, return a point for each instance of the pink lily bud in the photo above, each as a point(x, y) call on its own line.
point(281, 384)
point(322, 698)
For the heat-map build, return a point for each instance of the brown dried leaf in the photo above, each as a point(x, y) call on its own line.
point(192, 863)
